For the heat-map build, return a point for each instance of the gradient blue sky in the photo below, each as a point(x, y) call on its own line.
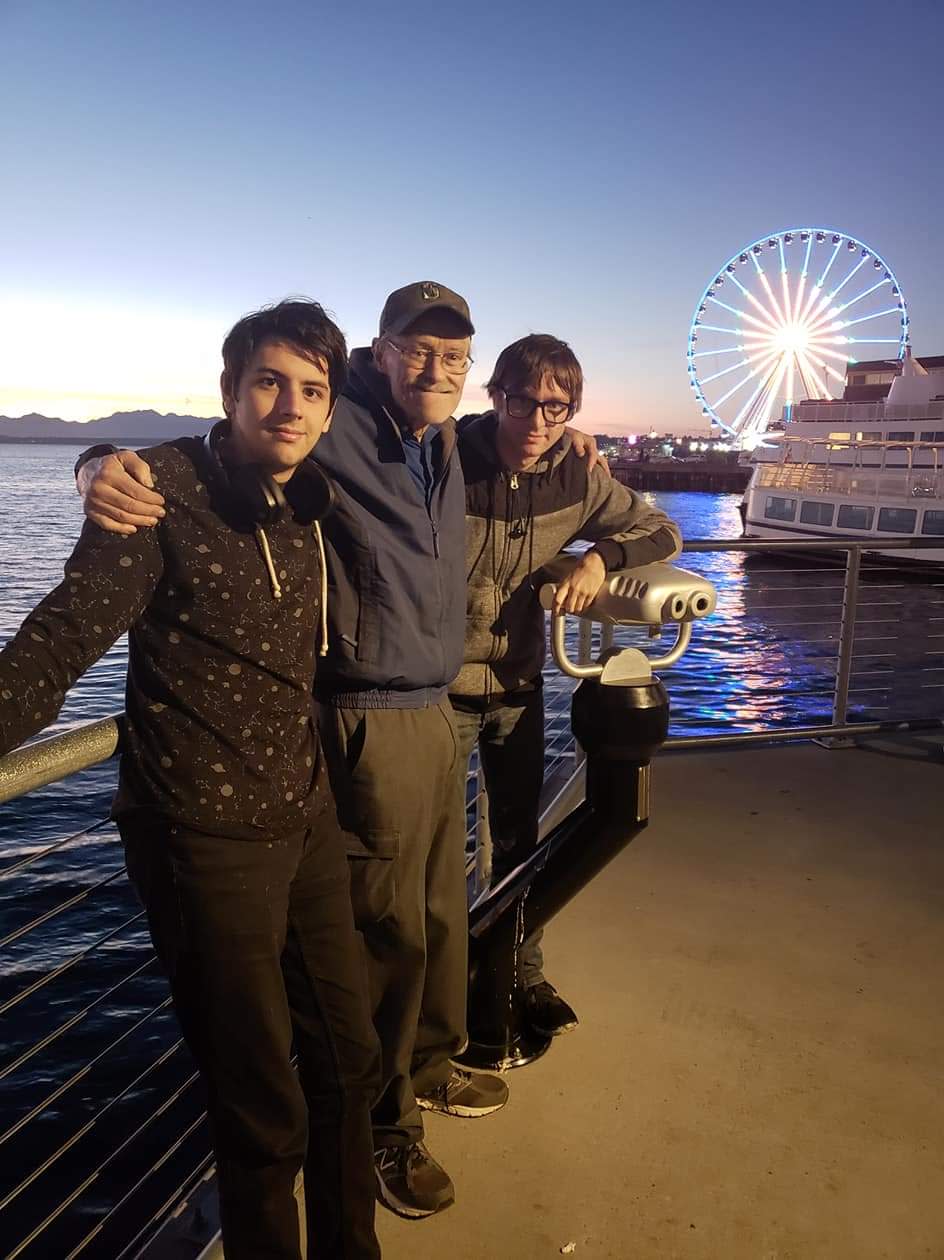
point(580, 169)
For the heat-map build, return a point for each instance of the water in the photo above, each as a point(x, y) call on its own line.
point(766, 659)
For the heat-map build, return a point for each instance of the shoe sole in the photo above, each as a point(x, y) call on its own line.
point(464, 1113)
point(556, 1032)
point(399, 1208)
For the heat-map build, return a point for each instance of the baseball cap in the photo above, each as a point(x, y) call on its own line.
point(405, 305)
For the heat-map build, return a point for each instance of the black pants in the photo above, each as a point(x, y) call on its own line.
point(510, 740)
point(259, 943)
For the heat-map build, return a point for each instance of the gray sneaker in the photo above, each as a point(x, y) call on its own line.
point(467, 1094)
point(410, 1182)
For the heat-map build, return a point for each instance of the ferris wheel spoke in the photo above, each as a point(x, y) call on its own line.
point(891, 310)
point(741, 383)
point(806, 257)
point(815, 376)
point(725, 371)
point(863, 294)
point(785, 285)
point(702, 354)
point(735, 332)
point(861, 263)
point(766, 323)
point(874, 341)
point(825, 271)
point(770, 293)
point(741, 314)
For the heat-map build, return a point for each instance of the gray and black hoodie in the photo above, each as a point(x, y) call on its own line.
point(518, 522)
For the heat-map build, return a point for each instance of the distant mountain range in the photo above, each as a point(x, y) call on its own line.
point(139, 427)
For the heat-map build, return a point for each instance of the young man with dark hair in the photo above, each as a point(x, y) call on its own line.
point(224, 807)
point(528, 496)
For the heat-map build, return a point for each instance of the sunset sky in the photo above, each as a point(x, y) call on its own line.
point(576, 169)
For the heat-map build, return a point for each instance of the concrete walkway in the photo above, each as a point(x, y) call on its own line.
point(758, 1070)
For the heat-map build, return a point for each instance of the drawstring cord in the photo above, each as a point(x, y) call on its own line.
point(323, 651)
point(267, 557)
point(276, 586)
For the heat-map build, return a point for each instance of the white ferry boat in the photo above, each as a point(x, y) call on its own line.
point(868, 465)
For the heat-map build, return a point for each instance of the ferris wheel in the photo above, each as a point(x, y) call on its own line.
point(780, 321)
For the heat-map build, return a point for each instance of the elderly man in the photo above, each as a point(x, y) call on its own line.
point(396, 559)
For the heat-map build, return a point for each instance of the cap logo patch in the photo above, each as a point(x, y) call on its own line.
point(429, 292)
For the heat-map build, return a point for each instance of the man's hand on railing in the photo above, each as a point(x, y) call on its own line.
point(118, 493)
point(577, 591)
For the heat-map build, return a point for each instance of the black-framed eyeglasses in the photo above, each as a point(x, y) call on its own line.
point(419, 356)
point(523, 407)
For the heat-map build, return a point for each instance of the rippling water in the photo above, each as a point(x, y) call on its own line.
point(765, 659)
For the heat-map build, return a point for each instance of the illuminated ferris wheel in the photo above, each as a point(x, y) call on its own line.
point(780, 321)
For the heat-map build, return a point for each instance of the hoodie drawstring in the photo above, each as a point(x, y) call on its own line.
point(323, 650)
point(276, 585)
point(267, 557)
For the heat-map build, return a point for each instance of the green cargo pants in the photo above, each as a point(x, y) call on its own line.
point(394, 775)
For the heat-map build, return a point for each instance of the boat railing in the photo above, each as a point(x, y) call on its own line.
point(855, 480)
point(102, 1131)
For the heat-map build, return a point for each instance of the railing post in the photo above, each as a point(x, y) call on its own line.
point(850, 600)
point(483, 835)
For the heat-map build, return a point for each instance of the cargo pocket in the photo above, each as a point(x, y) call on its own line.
point(372, 861)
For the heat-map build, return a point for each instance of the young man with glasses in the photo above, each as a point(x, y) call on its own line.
point(528, 496)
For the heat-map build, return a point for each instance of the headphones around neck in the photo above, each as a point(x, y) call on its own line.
point(254, 493)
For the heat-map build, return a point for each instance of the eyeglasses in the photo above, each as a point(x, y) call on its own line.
point(523, 406)
point(453, 361)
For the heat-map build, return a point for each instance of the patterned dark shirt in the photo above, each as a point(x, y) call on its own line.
point(221, 734)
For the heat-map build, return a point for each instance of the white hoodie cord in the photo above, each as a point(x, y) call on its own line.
point(267, 557)
point(277, 589)
point(324, 591)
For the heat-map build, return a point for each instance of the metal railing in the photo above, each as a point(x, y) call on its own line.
point(84, 1115)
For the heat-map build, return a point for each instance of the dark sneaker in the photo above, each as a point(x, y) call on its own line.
point(410, 1182)
point(546, 1010)
point(468, 1094)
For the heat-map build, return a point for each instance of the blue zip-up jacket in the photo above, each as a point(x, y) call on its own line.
point(396, 602)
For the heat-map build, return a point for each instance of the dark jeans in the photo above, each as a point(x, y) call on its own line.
point(510, 739)
point(259, 944)
point(393, 772)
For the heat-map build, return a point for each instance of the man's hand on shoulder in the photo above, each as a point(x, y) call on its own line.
point(118, 493)
point(585, 445)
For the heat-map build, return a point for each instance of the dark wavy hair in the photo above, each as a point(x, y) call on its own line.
point(531, 358)
point(303, 325)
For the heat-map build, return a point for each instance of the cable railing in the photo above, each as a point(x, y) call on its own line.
point(102, 1127)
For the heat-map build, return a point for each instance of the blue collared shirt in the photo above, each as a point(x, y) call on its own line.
point(420, 455)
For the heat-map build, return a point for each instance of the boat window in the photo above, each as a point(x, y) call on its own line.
point(935, 435)
point(874, 435)
point(853, 517)
point(817, 513)
point(897, 520)
point(777, 509)
point(904, 436)
point(933, 523)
